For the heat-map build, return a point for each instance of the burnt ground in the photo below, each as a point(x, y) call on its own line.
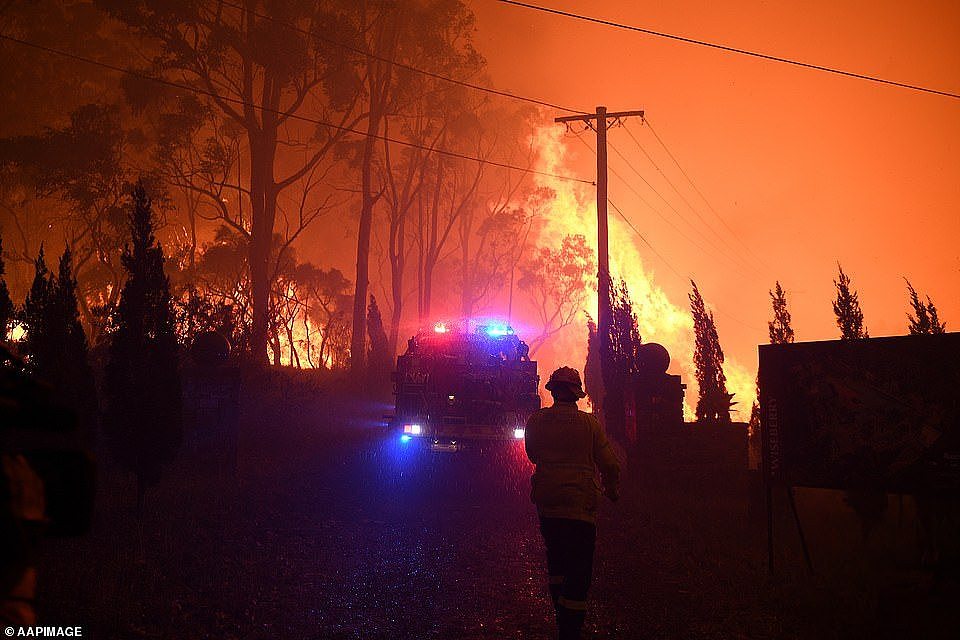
point(328, 528)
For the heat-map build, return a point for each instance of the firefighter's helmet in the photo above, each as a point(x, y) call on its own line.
point(566, 377)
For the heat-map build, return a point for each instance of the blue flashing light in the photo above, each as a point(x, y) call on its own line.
point(497, 330)
point(406, 438)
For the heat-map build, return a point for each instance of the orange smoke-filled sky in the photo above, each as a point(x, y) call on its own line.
point(806, 168)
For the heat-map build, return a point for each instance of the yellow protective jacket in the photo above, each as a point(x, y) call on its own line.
point(568, 446)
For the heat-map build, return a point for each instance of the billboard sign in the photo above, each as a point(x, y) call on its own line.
point(877, 412)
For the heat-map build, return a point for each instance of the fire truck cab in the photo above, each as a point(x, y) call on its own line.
point(463, 383)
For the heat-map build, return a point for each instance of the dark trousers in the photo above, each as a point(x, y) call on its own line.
point(570, 545)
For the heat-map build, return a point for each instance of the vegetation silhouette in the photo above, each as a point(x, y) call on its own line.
point(714, 402)
point(143, 418)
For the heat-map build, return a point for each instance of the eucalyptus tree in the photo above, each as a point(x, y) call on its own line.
point(269, 71)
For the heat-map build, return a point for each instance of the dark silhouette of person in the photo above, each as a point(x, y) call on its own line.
point(568, 446)
point(523, 351)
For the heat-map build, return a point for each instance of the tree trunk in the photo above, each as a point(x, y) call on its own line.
point(466, 279)
point(397, 266)
point(306, 330)
point(275, 347)
point(358, 339)
point(397, 314)
point(433, 250)
point(421, 256)
point(379, 81)
point(264, 209)
point(294, 355)
point(323, 348)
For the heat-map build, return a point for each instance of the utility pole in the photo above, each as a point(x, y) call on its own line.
point(598, 122)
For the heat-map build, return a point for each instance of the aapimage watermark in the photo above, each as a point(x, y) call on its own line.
point(42, 632)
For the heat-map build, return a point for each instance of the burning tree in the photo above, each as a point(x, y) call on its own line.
point(143, 399)
point(308, 307)
point(330, 304)
point(259, 67)
point(557, 282)
point(846, 307)
point(492, 245)
point(714, 402)
point(925, 319)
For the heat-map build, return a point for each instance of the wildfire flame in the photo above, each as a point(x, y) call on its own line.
point(574, 211)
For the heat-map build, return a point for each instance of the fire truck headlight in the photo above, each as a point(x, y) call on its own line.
point(518, 433)
point(412, 429)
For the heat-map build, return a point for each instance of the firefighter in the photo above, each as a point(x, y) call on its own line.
point(567, 446)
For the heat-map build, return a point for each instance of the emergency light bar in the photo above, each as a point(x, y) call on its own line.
point(496, 330)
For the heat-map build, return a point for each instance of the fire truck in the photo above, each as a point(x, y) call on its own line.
point(465, 383)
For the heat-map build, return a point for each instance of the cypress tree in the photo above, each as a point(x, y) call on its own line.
point(919, 322)
point(36, 319)
point(714, 402)
point(75, 376)
point(620, 357)
point(592, 375)
point(379, 358)
point(142, 388)
point(625, 341)
point(924, 319)
point(780, 333)
point(936, 326)
point(6, 304)
point(780, 330)
point(846, 307)
point(55, 343)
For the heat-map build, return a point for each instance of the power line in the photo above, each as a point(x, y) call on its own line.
point(645, 241)
point(402, 65)
point(687, 202)
point(292, 116)
point(699, 193)
point(685, 278)
point(674, 209)
point(729, 49)
point(716, 251)
point(656, 166)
